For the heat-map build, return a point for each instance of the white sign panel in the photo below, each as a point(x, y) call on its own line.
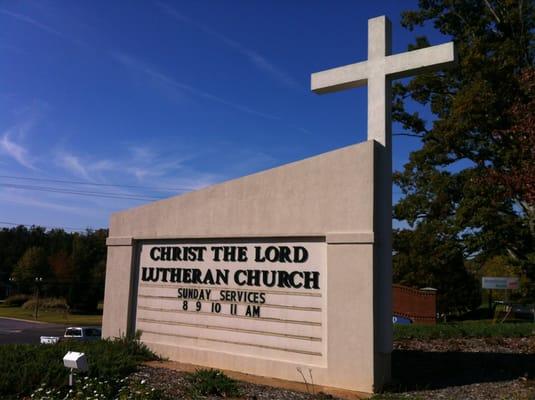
point(245, 298)
point(500, 282)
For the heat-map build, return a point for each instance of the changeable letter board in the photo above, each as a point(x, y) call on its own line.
point(251, 298)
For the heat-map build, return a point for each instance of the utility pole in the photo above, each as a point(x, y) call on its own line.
point(14, 283)
point(38, 280)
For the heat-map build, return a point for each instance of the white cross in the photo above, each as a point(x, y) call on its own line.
point(378, 72)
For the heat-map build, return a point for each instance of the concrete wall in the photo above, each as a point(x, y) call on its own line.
point(331, 197)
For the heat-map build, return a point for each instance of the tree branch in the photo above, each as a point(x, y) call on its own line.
point(408, 134)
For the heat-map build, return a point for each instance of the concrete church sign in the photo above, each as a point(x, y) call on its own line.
point(283, 270)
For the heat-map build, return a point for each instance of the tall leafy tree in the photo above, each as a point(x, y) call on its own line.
point(33, 264)
point(61, 265)
point(73, 265)
point(88, 257)
point(465, 194)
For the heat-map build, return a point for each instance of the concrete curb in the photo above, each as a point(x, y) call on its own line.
point(32, 322)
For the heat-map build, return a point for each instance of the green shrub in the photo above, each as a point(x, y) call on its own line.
point(469, 329)
point(211, 382)
point(16, 300)
point(47, 303)
point(23, 368)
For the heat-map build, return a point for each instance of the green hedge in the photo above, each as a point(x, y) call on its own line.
point(23, 368)
point(47, 303)
point(17, 300)
point(470, 329)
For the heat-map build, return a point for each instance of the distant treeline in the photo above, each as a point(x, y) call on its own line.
point(55, 262)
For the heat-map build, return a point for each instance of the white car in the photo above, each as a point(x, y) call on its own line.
point(79, 333)
point(84, 333)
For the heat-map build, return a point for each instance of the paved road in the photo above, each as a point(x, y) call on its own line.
point(14, 331)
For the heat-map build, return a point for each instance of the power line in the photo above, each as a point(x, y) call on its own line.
point(155, 188)
point(112, 195)
point(109, 195)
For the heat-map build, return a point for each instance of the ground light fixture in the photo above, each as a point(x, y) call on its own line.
point(74, 361)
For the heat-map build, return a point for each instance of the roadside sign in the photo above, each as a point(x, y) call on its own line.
point(493, 282)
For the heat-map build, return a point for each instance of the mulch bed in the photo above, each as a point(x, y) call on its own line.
point(467, 369)
point(173, 383)
point(520, 389)
point(525, 345)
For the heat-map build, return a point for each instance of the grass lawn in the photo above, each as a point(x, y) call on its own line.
point(56, 317)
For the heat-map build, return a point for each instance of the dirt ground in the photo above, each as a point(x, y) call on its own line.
point(467, 369)
point(490, 368)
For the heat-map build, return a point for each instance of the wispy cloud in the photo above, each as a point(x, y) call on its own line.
point(11, 196)
point(145, 162)
point(139, 163)
point(31, 21)
point(248, 161)
point(155, 169)
point(149, 71)
point(142, 152)
point(39, 25)
point(73, 165)
point(254, 57)
point(16, 151)
point(103, 165)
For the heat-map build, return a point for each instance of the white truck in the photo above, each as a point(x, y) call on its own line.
point(79, 333)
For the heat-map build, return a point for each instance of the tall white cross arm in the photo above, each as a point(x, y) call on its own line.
point(378, 72)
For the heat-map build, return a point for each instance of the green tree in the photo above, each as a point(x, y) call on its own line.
point(516, 176)
point(72, 263)
point(423, 259)
point(458, 210)
point(13, 244)
point(63, 273)
point(88, 258)
point(33, 264)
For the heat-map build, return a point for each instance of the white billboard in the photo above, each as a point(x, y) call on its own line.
point(493, 282)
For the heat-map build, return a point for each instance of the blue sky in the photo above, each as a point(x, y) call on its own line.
point(163, 97)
